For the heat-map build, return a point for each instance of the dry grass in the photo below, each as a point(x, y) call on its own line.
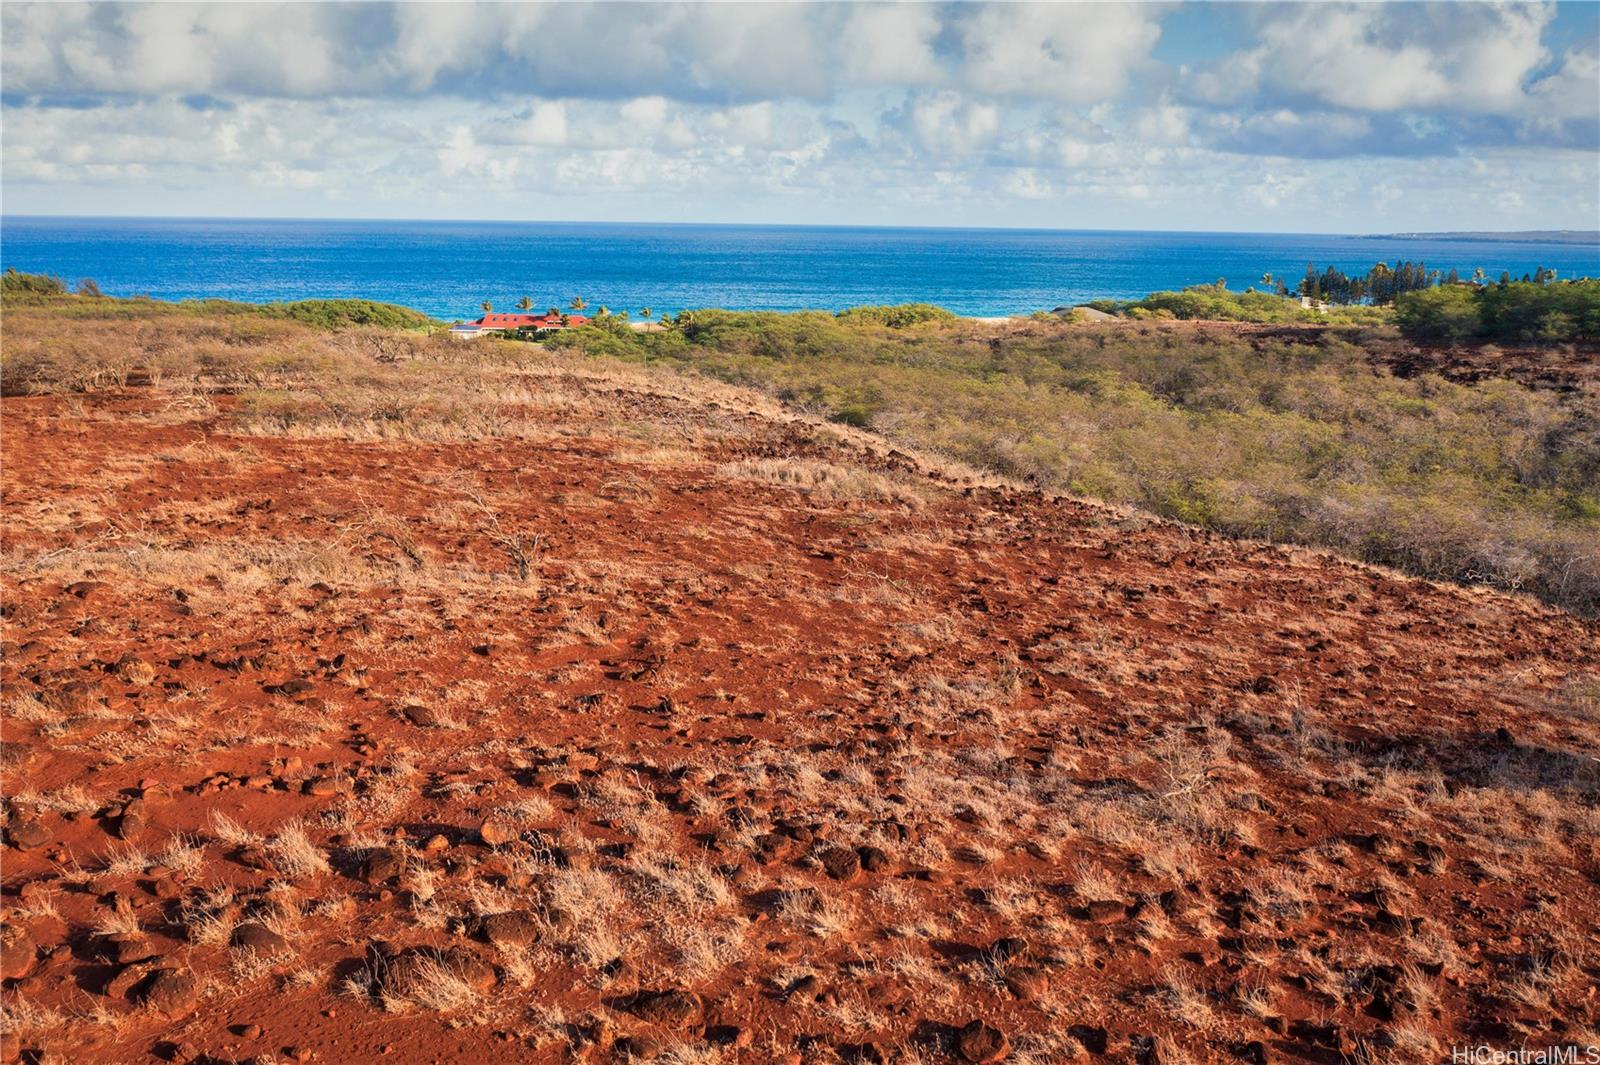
point(827, 481)
point(120, 920)
point(294, 854)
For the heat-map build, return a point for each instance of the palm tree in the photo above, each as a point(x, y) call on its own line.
point(644, 313)
point(603, 311)
point(525, 303)
point(487, 306)
point(552, 312)
point(579, 303)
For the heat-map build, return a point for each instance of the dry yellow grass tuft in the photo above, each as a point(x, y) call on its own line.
point(828, 481)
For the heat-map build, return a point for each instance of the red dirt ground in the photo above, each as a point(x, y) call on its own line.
point(773, 745)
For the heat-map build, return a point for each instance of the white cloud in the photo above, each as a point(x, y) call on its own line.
point(1026, 184)
point(1073, 52)
point(973, 112)
point(766, 50)
point(182, 48)
point(947, 124)
point(1572, 91)
point(1475, 58)
point(1276, 188)
point(684, 51)
point(1166, 123)
point(431, 38)
point(890, 44)
point(1334, 54)
point(647, 113)
point(546, 125)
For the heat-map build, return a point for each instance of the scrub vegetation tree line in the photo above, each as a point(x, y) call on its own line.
point(1299, 439)
point(1537, 309)
point(22, 289)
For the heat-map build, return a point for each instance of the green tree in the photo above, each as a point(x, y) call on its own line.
point(644, 312)
point(1449, 313)
point(578, 303)
point(487, 306)
point(525, 303)
point(1528, 310)
point(1311, 284)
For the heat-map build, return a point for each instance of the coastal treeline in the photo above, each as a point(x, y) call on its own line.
point(1504, 311)
point(1384, 284)
point(1509, 311)
point(1432, 306)
point(1381, 285)
point(1218, 303)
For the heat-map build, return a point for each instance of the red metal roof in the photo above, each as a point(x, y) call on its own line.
point(509, 321)
point(526, 321)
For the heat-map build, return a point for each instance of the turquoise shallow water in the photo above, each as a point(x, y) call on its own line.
point(448, 268)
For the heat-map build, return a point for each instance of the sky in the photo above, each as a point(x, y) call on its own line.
point(1274, 117)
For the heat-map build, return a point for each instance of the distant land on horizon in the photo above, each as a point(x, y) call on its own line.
point(1520, 236)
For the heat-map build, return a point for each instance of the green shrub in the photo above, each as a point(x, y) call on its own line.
point(342, 314)
point(896, 317)
point(856, 414)
point(88, 302)
point(1449, 313)
point(1521, 310)
point(1517, 311)
point(19, 286)
point(1217, 303)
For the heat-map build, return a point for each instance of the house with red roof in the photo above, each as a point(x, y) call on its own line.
point(517, 322)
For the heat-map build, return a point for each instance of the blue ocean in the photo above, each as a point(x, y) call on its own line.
point(447, 269)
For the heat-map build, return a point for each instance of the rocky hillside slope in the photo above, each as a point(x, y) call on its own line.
point(597, 714)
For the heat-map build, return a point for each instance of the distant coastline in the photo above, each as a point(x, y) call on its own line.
point(1522, 236)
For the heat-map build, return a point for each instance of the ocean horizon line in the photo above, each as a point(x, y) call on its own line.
point(1533, 236)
